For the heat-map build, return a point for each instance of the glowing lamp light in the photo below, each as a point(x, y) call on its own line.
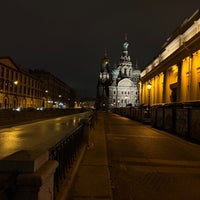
point(149, 86)
point(16, 82)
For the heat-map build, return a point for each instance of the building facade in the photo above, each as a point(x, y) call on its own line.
point(55, 93)
point(18, 88)
point(174, 75)
point(32, 89)
point(104, 80)
point(124, 88)
point(118, 86)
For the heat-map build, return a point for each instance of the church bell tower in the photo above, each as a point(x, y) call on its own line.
point(103, 84)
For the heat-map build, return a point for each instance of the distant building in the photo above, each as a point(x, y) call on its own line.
point(87, 102)
point(55, 93)
point(118, 87)
point(174, 75)
point(104, 80)
point(124, 88)
point(18, 88)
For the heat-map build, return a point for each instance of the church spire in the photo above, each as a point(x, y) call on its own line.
point(126, 44)
point(105, 53)
point(126, 37)
point(136, 64)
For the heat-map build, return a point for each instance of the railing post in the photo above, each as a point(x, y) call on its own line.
point(34, 175)
point(88, 124)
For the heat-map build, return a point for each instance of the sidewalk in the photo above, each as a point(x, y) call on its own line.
point(92, 180)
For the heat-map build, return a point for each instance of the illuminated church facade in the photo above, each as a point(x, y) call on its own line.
point(118, 86)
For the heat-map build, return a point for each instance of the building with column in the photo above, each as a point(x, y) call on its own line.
point(123, 90)
point(174, 75)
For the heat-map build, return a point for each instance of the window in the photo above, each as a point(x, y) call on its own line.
point(20, 89)
point(16, 76)
point(24, 89)
point(1, 84)
point(28, 91)
point(12, 75)
point(6, 85)
point(15, 90)
point(11, 87)
point(7, 73)
point(2, 71)
point(125, 73)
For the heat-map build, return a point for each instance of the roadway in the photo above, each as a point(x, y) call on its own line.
point(37, 136)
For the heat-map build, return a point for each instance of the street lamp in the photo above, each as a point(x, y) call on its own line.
point(16, 82)
point(46, 103)
point(149, 86)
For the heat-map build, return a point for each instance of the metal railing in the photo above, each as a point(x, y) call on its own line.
point(65, 153)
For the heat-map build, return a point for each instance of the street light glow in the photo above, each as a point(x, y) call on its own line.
point(15, 82)
point(149, 86)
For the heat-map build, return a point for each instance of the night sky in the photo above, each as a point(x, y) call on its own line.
point(69, 38)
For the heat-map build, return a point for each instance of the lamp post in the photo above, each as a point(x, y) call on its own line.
point(15, 100)
point(45, 105)
point(149, 86)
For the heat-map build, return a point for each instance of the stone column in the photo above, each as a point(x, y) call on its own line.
point(179, 81)
point(164, 87)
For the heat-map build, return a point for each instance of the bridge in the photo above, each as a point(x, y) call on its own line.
point(97, 156)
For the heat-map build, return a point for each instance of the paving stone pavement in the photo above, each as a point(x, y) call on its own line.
point(128, 160)
point(93, 179)
point(147, 163)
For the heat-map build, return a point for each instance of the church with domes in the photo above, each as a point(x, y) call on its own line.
point(118, 85)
